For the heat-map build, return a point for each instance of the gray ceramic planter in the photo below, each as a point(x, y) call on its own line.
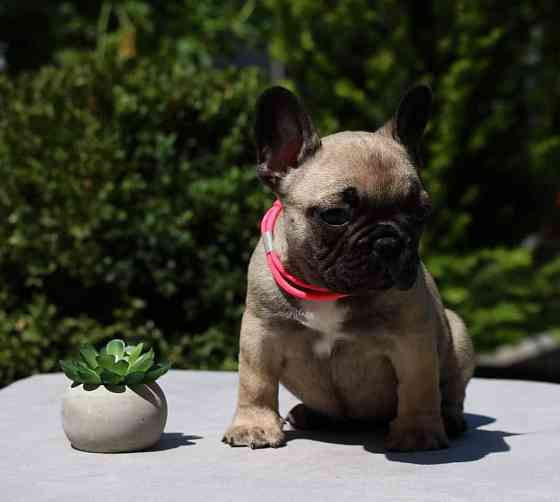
point(118, 420)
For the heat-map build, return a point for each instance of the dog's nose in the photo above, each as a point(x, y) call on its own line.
point(387, 247)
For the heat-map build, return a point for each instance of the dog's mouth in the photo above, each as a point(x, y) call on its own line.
point(387, 278)
point(404, 275)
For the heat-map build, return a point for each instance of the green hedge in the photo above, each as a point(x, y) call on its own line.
point(128, 200)
point(128, 207)
point(501, 293)
point(493, 144)
point(492, 147)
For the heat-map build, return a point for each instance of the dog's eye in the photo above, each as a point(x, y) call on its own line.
point(336, 216)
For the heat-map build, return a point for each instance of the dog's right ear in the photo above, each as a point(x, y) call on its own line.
point(284, 134)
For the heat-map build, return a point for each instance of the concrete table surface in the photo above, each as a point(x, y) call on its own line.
point(511, 452)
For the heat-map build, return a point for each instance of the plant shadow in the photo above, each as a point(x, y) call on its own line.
point(172, 440)
point(474, 445)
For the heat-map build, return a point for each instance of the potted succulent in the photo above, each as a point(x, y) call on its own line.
point(114, 403)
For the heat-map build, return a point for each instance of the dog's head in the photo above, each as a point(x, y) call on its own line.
point(354, 204)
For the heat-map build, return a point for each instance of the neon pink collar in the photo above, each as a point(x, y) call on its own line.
point(289, 283)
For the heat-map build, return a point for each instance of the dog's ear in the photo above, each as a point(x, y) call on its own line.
point(284, 134)
point(411, 118)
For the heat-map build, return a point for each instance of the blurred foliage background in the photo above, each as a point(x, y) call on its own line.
point(128, 201)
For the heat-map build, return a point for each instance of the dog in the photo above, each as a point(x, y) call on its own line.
point(340, 308)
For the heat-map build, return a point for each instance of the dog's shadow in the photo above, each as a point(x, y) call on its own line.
point(474, 445)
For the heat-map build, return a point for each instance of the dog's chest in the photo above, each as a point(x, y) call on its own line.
point(326, 320)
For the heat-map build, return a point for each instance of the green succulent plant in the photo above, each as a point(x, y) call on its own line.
point(115, 364)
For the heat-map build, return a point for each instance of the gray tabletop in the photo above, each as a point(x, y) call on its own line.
point(511, 452)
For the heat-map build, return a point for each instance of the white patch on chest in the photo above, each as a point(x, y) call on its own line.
point(325, 318)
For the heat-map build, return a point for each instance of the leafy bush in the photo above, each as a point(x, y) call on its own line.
point(128, 202)
point(129, 206)
point(500, 293)
point(492, 146)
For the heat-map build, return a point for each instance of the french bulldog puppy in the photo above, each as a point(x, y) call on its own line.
point(353, 210)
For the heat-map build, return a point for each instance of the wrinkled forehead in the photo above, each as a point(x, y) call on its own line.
point(375, 165)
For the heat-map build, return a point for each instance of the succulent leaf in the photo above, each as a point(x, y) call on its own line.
point(143, 363)
point(120, 368)
point(135, 353)
point(110, 377)
point(70, 370)
point(134, 378)
point(81, 364)
point(106, 361)
point(116, 348)
point(156, 371)
point(87, 375)
point(89, 355)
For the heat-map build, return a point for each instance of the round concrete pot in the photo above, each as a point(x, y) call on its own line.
point(115, 419)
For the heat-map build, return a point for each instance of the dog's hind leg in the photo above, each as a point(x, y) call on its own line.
point(304, 418)
point(457, 370)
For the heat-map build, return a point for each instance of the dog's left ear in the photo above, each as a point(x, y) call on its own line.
point(412, 116)
point(284, 134)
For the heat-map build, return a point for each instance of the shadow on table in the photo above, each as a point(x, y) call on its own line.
point(171, 440)
point(474, 445)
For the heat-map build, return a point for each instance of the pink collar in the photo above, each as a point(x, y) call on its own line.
point(289, 283)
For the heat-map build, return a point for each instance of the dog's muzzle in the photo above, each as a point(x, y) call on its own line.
point(392, 255)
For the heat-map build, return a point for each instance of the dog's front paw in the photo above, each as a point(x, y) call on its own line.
point(254, 436)
point(260, 430)
point(416, 434)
